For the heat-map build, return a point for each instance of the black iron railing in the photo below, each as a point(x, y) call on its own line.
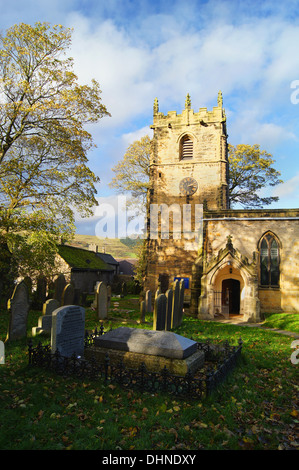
point(220, 360)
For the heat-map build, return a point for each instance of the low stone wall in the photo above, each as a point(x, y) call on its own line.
point(153, 363)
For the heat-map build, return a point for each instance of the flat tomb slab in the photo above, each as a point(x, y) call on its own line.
point(147, 342)
point(153, 363)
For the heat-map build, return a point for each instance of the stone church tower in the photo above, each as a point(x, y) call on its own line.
point(190, 162)
point(188, 172)
point(242, 262)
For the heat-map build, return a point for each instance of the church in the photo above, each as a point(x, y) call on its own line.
point(233, 262)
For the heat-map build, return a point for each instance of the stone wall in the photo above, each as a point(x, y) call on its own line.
point(246, 229)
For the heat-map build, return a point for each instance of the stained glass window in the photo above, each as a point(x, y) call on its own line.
point(269, 261)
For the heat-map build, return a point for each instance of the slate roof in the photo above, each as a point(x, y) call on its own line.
point(127, 266)
point(107, 258)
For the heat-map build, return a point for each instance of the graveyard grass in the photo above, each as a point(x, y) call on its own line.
point(256, 407)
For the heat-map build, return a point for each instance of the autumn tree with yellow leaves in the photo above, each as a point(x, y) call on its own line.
point(251, 171)
point(132, 173)
point(44, 173)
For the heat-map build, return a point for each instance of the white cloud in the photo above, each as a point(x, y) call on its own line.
point(248, 129)
point(141, 50)
point(251, 59)
point(271, 134)
point(130, 137)
point(107, 54)
point(288, 188)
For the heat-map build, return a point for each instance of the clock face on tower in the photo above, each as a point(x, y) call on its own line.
point(188, 186)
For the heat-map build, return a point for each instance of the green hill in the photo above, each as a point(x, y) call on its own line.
point(118, 248)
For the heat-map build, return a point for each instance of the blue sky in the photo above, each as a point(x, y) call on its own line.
point(139, 50)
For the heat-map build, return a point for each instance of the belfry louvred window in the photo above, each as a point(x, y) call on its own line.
point(186, 147)
point(269, 261)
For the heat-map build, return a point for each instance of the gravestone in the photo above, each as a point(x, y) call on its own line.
point(102, 301)
point(169, 295)
point(41, 290)
point(175, 304)
point(124, 289)
point(44, 324)
point(49, 306)
point(148, 301)
point(2, 353)
point(181, 301)
point(142, 311)
point(59, 285)
point(108, 297)
point(68, 330)
point(77, 296)
point(94, 302)
point(51, 290)
point(157, 293)
point(28, 282)
point(18, 306)
point(68, 295)
point(159, 313)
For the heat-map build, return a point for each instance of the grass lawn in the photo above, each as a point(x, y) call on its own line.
point(256, 408)
point(282, 321)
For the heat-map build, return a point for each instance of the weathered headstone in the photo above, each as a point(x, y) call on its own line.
point(124, 289)
point(77, 296)
point(148, 301)
point(28, 282)
point(51, 290)
point(68, 295)
point(49, 306)
point(102, 301)
point(157, 293)
point(18, 306)
point(142, 311)
point(169, 295)
point(41, 290)
point(181, 301)
point(94, 302)
point(175, 304)
point(108, 296)
point(44, 324)
point(159, 313)
point(2, 353)
point(68, 330)
point(59, 284)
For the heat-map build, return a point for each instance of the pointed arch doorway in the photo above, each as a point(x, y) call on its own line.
point(218, 280)
point(230, 296)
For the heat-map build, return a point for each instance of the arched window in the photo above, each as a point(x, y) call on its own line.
point(186, 147)
point(269, 261)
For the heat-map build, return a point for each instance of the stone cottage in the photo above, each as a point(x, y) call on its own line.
point(83, 268)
